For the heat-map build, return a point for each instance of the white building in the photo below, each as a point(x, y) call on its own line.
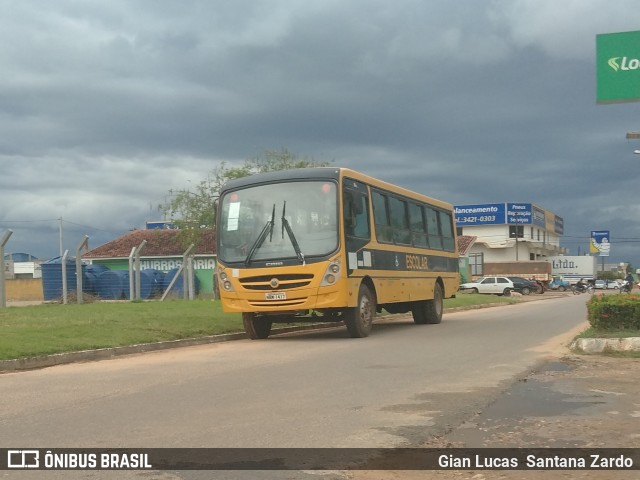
point(21, 265)
point(508, 232)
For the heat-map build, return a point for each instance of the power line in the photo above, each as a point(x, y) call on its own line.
point(5, 222)
point(86, 226)
point(31, 221)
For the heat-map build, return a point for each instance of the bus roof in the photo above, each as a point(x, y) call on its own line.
point(329, 172)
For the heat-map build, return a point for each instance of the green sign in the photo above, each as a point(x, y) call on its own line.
point(618, 67)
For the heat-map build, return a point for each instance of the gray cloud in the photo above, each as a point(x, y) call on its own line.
point(105, 107)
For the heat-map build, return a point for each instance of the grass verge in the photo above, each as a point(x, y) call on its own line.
point(597, 333)
point(53, 328)
point(46, 329)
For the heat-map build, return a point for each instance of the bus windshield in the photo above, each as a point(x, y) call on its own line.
point(278, 221)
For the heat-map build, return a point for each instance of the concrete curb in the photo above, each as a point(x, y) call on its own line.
point(606, 345)
point(44, 361)
point(32, 363)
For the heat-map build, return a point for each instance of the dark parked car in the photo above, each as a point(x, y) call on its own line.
point(524, 286)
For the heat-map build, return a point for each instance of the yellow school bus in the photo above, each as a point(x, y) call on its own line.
point(332, 245)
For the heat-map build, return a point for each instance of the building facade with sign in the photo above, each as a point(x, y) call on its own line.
point(510, 231)
point(163, 252)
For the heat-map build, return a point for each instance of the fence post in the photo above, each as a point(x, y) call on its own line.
point(64, 276)
point(79, 280)
point(131, 274)
point(187, 272)
point(3, 293)
point(137, 269)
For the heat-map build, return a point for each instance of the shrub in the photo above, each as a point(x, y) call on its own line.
point(614, 312)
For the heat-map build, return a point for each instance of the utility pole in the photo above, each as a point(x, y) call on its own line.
point(61, 250)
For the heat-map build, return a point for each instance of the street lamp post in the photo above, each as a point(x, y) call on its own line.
point(515, 235)
point(634, 136)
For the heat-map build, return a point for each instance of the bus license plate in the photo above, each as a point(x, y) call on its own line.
point(275, 296)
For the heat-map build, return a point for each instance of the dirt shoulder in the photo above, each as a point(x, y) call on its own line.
point(576, 401)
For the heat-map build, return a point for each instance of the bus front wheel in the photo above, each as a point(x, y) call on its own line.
point(429, 311)
point(360, 318)
point(256, 328)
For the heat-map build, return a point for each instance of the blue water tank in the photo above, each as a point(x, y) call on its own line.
point(90, 274)
point(178, 288)
point(52, 278)
point(149, 285)
point(157, 283)
point(111, 284)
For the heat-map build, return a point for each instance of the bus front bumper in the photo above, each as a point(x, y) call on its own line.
point(274, 302)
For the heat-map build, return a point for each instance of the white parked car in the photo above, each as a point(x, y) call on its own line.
point(489, 285)
point(601, 284)
point(614, 284)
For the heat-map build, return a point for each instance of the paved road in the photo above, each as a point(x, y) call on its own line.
point(398, 387)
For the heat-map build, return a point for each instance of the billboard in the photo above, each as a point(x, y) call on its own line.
point(484, 214)
point(507, 214)
point(573, 268)
point(519, 214)
point(618, 67)
point(600, 242)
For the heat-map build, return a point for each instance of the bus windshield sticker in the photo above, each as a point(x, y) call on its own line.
point(234, 214)
point(353, 261)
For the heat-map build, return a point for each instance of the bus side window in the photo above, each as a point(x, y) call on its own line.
point(447, 231)
point(381, 218)
point(398, 210)
point(356, 214)
point(418, 230)
point(435, 239)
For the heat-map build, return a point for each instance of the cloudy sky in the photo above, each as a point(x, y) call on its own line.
point(107, 106)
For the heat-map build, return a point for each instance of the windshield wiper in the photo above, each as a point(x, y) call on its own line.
point(292, 237)
point(266, 230)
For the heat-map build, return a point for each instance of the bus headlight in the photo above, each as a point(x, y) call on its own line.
point(224, 281)
point(332, 274)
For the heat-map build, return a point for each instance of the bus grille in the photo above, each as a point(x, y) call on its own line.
point(284, 282)
point(281, 304)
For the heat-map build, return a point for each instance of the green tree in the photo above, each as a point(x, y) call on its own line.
point(193, 210)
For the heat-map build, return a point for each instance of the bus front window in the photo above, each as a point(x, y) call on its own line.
point(251, 226)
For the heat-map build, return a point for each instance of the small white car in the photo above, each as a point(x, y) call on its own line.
point(600, 284)
point(489, 285)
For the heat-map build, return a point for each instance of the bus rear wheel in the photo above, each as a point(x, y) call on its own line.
point(429, 311)
point(256, 327)
point(360, 318)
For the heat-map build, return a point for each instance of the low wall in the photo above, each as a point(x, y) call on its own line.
point(24, 289)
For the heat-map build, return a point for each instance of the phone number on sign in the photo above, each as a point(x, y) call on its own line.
point(483, 218)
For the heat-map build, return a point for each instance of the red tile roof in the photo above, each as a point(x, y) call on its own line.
point(160, 243)
point(465, 242)
point(167, 243)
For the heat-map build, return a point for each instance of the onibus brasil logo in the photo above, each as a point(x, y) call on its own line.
point(624, 63)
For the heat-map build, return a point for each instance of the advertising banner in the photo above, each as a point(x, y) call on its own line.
point(485, 214)
point(600, 242)
point(618, 67)
point(538, 216)
point(519, 214)
point(558, 225)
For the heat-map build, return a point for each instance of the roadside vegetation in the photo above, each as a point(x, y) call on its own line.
point(53, 328)
point(613, 316)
